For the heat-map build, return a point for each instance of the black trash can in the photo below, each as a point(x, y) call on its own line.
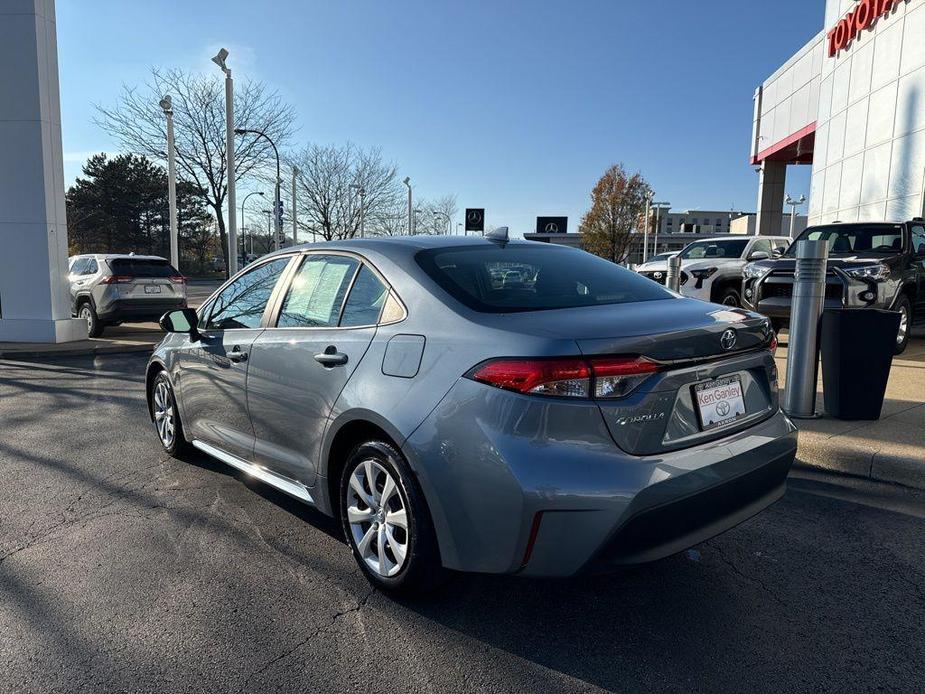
point(857, 353)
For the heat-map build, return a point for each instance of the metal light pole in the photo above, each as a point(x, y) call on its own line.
point(277, 205)
point(645, 232)
point(445, 216)
point(219, 60)
point(407, 182)
point(167, 105)
point(794, 204)
point(244, 238)
point(458, 224)
point(295, 219)
point(361, 191)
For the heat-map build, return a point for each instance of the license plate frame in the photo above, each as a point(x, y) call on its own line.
point(707, 415)
point(152, 289)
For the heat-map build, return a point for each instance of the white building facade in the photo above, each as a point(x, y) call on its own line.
point(851, 103)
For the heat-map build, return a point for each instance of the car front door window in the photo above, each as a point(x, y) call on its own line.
point(243, 302)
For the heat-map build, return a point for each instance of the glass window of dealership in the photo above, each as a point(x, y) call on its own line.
point(851, 103)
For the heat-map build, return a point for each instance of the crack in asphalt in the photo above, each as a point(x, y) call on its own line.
point(360, 604)
point(753, 579)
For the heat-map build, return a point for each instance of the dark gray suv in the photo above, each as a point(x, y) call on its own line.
point(871, 265)
point(480, 405)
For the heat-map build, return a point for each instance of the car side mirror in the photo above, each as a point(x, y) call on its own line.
point(759, 255)
point(181, 321)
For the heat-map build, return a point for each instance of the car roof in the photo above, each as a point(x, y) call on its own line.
point(408, 245)
point(118, 256)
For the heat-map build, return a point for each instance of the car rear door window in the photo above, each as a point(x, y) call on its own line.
point(79, 266)
point(317, 292)
point(242, 303)
point(367, 297)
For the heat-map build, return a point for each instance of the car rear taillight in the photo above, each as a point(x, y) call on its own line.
point(178, 279)
point(772, 345)
point(117, 279)
point(569, 377)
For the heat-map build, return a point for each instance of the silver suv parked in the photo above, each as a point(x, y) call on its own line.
point(113, 289)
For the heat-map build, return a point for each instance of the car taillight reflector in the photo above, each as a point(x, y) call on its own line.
point(117, 279)
point(573, 377)
point(178, 279)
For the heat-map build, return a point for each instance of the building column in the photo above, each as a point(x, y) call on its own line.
point(771, 183)
point(34, 296)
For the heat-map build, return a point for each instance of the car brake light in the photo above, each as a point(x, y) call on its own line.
point(772, 345)
point(572, 377)
point(117, 279)
point(178, 279)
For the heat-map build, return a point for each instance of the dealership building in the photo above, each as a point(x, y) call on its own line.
point(851, 104)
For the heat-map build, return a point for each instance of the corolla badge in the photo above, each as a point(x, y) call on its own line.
point(728, 339)
point(640, 418)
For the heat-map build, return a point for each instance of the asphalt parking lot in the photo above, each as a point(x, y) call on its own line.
point(122, 569)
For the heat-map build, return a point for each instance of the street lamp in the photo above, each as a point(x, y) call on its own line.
point(243, 238)
point(458, 224)
point(167, 106)
point(407, 182)
point(277, 205)
point(295, 219)
point(446, 217)
point(645, 232)
point(219, 60)
point(361, 191)
point(794, 204)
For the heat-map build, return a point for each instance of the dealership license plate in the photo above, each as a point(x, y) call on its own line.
point(719, 402)
point(152, 289)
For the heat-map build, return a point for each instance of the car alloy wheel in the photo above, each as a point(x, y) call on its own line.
point(378, 518)
point(164, 414)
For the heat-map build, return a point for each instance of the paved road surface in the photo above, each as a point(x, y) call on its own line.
point(123, 569)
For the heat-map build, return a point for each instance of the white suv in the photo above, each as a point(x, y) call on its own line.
point(113, 289)
point(711, 269)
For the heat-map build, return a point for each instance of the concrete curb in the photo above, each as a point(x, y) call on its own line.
point(874, 462)
point(76, 352)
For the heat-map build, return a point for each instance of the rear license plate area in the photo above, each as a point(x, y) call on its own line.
point(152, 289)
point(720, 402)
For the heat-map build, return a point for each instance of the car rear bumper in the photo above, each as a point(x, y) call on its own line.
point(139, 309)
point(538, 486)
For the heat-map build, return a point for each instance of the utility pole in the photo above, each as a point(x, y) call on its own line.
point(295, 221)
point(407, 182)
point(167, 105)
point(361, 191)
point(219, 60)
point(645, 232)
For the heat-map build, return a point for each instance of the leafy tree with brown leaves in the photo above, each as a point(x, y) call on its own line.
point(618, 202)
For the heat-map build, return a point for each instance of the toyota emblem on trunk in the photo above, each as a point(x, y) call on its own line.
point(728, 339)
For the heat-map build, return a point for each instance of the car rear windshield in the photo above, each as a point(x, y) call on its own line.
point(517, 278)
point(855, 238)
point(137, 267)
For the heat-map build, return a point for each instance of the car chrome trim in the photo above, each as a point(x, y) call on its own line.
point(283, 484)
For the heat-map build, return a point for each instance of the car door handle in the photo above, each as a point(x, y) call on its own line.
point(331, 357)
point(236, 355)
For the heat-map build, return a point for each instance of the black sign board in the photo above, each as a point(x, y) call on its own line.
point(475, 219)
point(552, 225)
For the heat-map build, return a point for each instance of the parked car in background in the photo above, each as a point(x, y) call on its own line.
point(109, 289)
point(711, 269)
point(656, 267)
point(871, 265)
point(577, 418)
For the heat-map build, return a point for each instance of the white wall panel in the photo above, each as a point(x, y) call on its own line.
point(832, 189)
point(907, 165)
point(902, 209)
point(816, 190)
point(782, 121)
point(913, 51)
point(836, 148)
point(820, 149)
point(910, 104)
point(856, 127)
point(825, 99)
point(880, 115)
point(851, 182)
point(861, 66)
point(872, 213)
point(840, 86)
point(887, 52)
point(876, 176)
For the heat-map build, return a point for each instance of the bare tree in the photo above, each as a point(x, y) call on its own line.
point(334, 181)
point(436, 216)
point(138, 123)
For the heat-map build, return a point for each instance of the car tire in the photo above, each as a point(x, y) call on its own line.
point(166, 416)
point(393, 558)
point(904, 306)
point(730, 297)
point(94, 324)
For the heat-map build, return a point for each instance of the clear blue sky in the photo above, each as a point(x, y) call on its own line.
point(517, 107)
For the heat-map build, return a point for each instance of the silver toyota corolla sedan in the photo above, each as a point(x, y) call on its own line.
point(480, 405)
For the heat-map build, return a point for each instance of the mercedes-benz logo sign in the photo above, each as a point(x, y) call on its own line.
point(722, 408)
point(728, 339)
point(474, 217)
point(658, 275)
point(552, 228)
